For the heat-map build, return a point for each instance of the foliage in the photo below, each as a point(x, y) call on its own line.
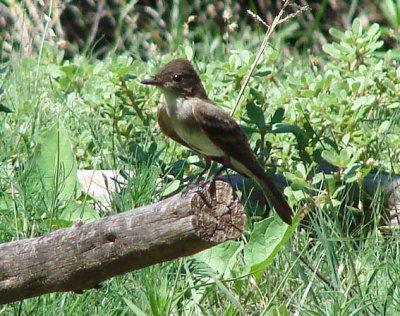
point(149, 28)
point(341, 107)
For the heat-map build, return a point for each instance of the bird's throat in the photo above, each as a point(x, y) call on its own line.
point(179, 108)
point(173, 103)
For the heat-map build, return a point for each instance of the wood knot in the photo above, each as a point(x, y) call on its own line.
point(218, 215)
point(110, 237)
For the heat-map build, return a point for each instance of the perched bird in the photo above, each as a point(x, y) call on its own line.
point(190, 118)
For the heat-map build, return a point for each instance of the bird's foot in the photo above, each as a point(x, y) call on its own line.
point(193, 185)
point(199, 185)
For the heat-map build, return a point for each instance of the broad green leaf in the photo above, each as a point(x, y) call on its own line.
point(256, 115)
point(244, 55)
point(301, 136)
point(331, 156)
point(345, 48)
point(257, 95)
point(221, 258)
point(278, 116)
point(75, 210)
point(287, 128)
point(389, 84)
point(384, 127)
point(346, 139)
point(171, 188)
point(54, 71)
point(55, 163)
point(363, 101)
point(297, 181)
point(267, 238)
point(345, 157)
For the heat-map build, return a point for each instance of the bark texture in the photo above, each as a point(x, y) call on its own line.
point(80, 257)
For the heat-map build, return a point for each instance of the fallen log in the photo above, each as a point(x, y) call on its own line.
point(80, 257)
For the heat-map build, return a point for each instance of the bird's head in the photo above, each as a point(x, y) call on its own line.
point(178, 78)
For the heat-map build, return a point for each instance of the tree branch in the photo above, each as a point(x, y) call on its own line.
point(80, 257)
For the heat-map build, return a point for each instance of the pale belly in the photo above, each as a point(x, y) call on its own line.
point(185, 125)
point(195, 137)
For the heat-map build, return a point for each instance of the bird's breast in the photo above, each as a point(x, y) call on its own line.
point(185, 125)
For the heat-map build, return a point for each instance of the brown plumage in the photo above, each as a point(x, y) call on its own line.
point(190, 118)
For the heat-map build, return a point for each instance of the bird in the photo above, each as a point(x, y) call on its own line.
point(190, 118)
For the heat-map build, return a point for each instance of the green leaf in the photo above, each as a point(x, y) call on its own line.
point(75, 210)
point(287, 128)
point(229, 295)
point(394, 105)
point(297, 180)
point(331, 156)
point(244, 55)
point(278, 116)
point(221, 258)
point(235, 61)
point(345, 157)
point(5, 109)
point(357, 26)
point(256, 115)
point(171, 188)
point(276, 311)
point(346, 139)
point(351, 173)
point(56, 167)
point(301, 136)
point(262, 73)
point(341, 160)
point(336, 33)
point(267, 238)
point(363, 101)
point(189, 52)
point(134, 308)
point(331, 50)
point(384, 127)
point(373, 30)
point(54, 71)
point(257, 95)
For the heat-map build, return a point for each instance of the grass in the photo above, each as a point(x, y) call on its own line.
point(341, 108)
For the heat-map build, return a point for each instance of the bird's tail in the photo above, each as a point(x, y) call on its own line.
point(275, 197)
point(252, 169)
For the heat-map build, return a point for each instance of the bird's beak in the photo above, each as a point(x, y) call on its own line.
point(153, 81)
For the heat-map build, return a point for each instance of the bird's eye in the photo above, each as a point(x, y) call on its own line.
point(177, 78)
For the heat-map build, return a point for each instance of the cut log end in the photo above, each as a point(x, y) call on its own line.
point(218, 215)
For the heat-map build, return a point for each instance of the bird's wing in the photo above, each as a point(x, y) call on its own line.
point(222, 130)
point(166, 126)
